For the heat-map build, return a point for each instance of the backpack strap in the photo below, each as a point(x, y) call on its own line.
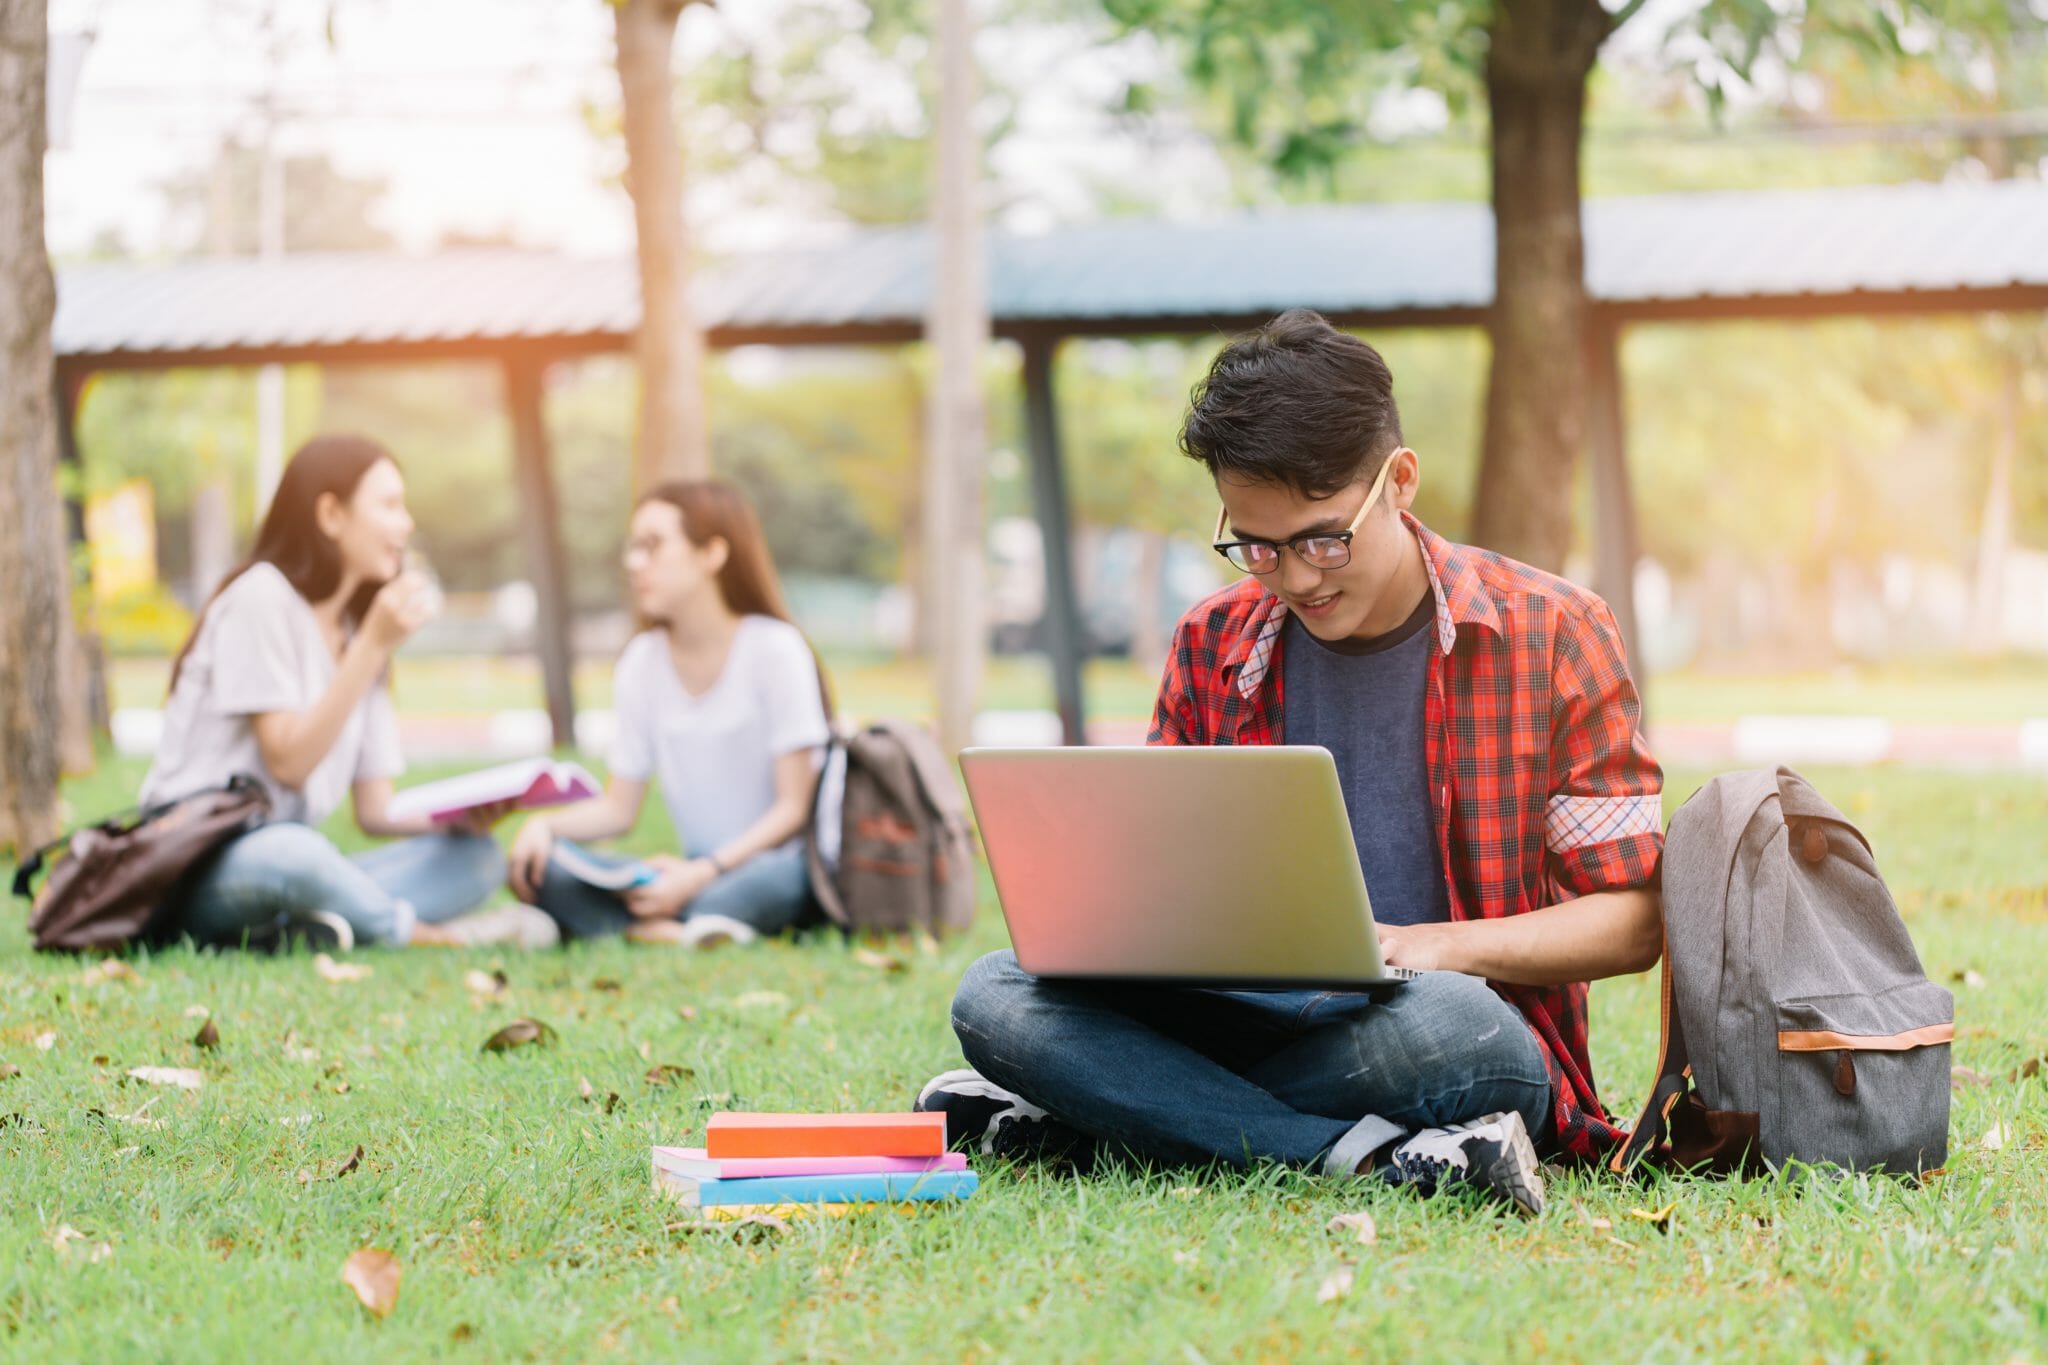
point(1674, 1074)
point(118, 823)
point(822, 886)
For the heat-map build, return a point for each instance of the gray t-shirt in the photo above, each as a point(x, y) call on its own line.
point(714, 754)
point(260, 649)
point(1363, 702)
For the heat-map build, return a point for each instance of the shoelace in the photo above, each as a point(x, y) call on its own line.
point(1422, 1165)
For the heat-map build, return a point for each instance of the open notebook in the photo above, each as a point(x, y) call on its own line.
point(532, 784)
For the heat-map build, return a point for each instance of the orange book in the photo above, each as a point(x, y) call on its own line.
point(742, 1135)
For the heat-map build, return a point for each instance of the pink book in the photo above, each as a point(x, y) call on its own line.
point(531, 784)
point(694, 1164)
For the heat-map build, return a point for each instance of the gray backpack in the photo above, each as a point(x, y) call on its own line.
point(1798, 1025)
point(906, 858)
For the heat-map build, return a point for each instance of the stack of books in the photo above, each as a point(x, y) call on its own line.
point(820, 1163)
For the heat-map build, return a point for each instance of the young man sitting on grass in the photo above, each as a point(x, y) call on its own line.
point(1504, 806)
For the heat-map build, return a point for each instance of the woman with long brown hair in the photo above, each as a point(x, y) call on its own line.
point(283, 679)
point(722, 700)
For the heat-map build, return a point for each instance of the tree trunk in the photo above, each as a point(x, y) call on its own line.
point(957, 431)
point(674, 432)
point(1541, 54)
point(32, 560)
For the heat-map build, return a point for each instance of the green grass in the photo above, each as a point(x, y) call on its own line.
point(522, 1216)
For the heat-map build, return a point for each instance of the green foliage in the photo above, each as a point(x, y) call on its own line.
point(1296, 83)
point(145, 621)
point(1882, 449)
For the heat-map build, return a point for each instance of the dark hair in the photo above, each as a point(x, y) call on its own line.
point(290, 537)
point(1296, 403)
point(713, 509)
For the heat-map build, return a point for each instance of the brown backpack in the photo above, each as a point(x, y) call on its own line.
point(906, 859)
point(113, 883)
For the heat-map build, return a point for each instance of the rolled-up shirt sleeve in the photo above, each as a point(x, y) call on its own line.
point(1604, 820)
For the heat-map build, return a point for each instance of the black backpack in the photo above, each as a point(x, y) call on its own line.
point(906, 858)
point(1798, 1024)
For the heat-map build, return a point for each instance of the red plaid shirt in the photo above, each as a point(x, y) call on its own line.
point(1544, 788)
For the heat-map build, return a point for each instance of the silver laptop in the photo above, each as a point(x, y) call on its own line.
point(1197, 866)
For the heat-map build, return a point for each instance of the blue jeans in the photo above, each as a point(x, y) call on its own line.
point(1186, 1076)
point(284, 871)
point(769, 892)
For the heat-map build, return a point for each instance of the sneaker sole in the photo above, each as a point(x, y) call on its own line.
point(1514, 1172)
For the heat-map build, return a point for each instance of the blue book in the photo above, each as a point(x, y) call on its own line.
point(605, 871)
point(893, 1186)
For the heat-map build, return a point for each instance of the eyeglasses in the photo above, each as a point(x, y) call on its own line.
point(642, 548)
point(1317, 549)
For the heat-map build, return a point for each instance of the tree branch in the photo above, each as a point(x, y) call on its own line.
point(1624, 14)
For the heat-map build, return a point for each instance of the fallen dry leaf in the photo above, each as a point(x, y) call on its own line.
point(881, 962)
point(8, 1070)
point(108, 969)
point(583, 1089)
point(668, 1073)
point(373, 1273)
point(1187, 1258)
point(197, 1011)
point(45, 1041)
point(68, 1241)
point(330, 970)
point(1657, 1218)
point(184, 1077)
point(485, 983)
point(303, 1176)
point(1961, 1076)
point(518, 1033)
point(756, 1226)
point(2027, 1070)
point(611, 1100)
point(686, 1012)
point(748, 1000)
point(354, 1162)
point(1995, 1137)
point(140, 1118)
point(1359, 1223)
point(1600, 1224)
point(1336, 1285)
point(1969, 977)
point(607, 985)
point(208, 1035)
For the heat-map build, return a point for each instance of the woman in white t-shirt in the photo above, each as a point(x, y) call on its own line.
point(283, 679)
point(721, 699)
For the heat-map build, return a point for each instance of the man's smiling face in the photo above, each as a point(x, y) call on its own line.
point(1384, 580)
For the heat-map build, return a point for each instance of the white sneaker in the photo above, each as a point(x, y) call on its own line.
point(715, 931)
point(1492, 1154)
point(515, 924)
